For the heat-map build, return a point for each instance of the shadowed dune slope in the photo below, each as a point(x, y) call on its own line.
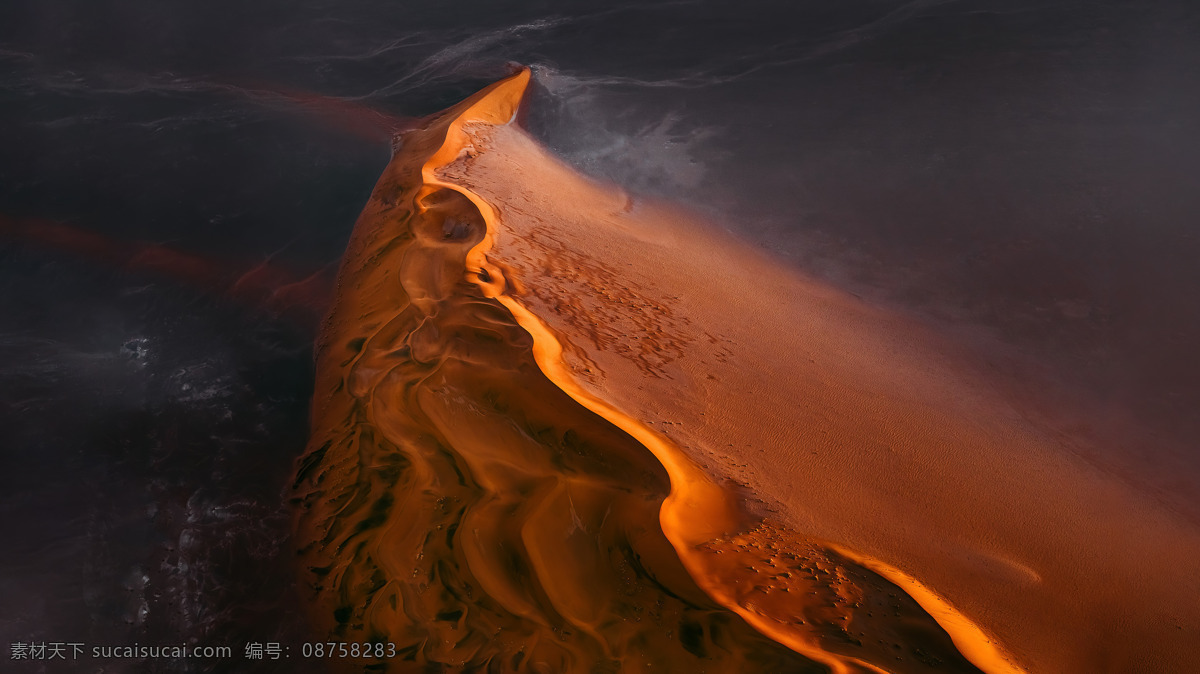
point(532, 392)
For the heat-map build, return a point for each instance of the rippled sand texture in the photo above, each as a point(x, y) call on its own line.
point(534, 399)
point(459, 504)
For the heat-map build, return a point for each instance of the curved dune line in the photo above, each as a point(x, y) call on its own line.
point(457, 492)
point(525, 539)
point(972, 641)
point(696, 510)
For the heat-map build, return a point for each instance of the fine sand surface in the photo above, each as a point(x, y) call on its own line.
point(557, 430)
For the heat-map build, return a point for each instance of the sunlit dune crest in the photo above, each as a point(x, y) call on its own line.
point(533, 397)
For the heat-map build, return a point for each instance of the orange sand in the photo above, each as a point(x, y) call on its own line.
point(534, 400)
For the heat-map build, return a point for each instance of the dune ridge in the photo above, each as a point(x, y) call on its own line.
point(696, 512)
point(518, 446)
point(434, 417)
point(698, 517)
point(848, 422)
point(524, 539)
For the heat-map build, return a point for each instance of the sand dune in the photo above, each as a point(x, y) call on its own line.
point(558, 430)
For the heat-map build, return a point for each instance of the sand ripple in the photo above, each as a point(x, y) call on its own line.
point(463, 498)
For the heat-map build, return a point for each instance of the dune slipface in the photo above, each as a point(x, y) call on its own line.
point(558, 431)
